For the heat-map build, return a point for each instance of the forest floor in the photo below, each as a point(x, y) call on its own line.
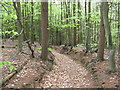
point(98, 69)
point(67, 73)
point(67, 70)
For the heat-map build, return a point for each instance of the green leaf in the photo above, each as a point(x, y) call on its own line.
point(38, 48)
point(11, 67)
point(6, 62)
point(15, 33)
point(49, 49)
point(1, 66)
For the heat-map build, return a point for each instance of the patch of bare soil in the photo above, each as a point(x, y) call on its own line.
point(99, 70)
point(66, 73)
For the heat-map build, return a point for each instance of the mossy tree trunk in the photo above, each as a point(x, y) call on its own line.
point(105, 10)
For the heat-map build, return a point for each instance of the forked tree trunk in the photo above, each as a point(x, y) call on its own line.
point(107, 25)
point(112, 67)
point(44, 26)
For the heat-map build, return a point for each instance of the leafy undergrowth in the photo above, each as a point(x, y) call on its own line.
point(99, 69)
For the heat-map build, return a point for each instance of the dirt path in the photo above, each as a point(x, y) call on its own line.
point(66, 73)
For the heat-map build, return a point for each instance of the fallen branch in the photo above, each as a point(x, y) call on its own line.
point(8, 47)
point(12, 74)
point(32, 51)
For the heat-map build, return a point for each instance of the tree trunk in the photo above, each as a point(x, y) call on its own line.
point(119, 26)
point(106, 24)
point(74, 14)
point(32, 24)
point(100, 54)
point(88, 26)
point(112, 67)
point(109, 37)
point(67, 21)
point(79, 24)
point(44, 26)
point(18, 13)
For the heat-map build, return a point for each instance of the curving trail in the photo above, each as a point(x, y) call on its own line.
point(66, 74)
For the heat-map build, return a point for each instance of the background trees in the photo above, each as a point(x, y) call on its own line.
point(70, 23)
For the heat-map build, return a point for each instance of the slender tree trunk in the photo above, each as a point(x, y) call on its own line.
point(27, 22)
point(17, 7)
point(101, 44)
point(112, 67)
point(67, 22)
point(107, 25)
point(44, 26)
point(119, 27)
point(32, 24)
point(56, 31)
point(74, 14)
point(80, 24)
point(50, 20)
point(39, 29)
point(88, 27)
point(61, 15)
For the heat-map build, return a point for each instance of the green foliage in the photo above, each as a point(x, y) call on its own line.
point(61, 18)
point(38, 48)
point(11, 67)
point(49, 49)
point(78, 46)
point(5, 63)
point(94, 45)
point(1, 66)
point(9, 32)
point(41, 48)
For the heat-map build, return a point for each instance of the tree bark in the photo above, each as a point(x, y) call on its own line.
point(112, 67)
point(88, 26)
point(44, 26)
point(79, 24)
point(106, 24)
point(74, 14)
point(17, 7)
point(100, 54)
point(109, 36)
point(32, 23)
